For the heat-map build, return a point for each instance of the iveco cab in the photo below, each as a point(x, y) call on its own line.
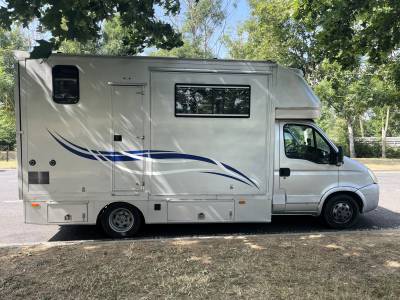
point(124, 141)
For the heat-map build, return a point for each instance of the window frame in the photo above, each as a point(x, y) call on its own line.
point(315, 129)
point(241, 116)
point(57, 100)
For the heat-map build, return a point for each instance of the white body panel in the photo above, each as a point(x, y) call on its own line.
point(124, 142)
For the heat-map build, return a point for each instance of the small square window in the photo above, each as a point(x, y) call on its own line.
point(65, 84)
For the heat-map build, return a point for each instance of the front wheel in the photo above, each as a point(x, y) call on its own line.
point(341, 211)
point(121, 220)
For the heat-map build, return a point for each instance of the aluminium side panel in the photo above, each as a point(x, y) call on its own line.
point(65, 133)
point(209, 156)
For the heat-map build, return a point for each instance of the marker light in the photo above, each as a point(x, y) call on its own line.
point(34, 204)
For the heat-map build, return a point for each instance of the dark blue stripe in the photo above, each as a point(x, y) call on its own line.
point(76, 152)
point(121, 158)
point(110, 152)
point(178, 156)
point(79, 147)
point(134, 152)
point(238, 172)
point(229, 176)
point(99, 155)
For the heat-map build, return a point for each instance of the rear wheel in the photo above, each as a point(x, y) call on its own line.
point(341, 211)
point(121, 220)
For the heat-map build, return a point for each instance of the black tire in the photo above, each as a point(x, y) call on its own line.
point(121, 220)
point(341, 211)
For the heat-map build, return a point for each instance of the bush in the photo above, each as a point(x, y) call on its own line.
point(368, 150)
point(375, 150)
point(393, 152)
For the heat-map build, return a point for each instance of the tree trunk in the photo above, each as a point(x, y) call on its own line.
point(350, 130)
point(362, 127)
point(385, 125)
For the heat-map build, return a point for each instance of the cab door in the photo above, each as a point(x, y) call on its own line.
point(305, 171)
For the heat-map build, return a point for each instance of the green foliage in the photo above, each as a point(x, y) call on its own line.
point(74, 47)
point(113, 36)
point(348, 93)
point(9, 41)
point(375, 150)
point(272, 33)
point(347, 30)
point(201, 20)
point(7, 127)
point(334, 127)
point(188, 50)
point(81, 21)
point(368, 150)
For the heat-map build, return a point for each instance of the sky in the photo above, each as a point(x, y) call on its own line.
point(237, 16)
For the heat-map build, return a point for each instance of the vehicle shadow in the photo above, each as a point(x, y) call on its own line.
point(381, 218)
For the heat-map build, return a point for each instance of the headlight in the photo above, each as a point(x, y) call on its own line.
point(373, 176)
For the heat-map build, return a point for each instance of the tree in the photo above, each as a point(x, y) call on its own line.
point(81, 21)
point(199, 28)
point(272, 33)
point(348, 93)
point(386, 97)
point(347, 30)
point(9, 41)
point(110, 42)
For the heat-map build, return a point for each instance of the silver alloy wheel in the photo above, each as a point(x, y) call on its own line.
point(121, 220)
point(342, 212)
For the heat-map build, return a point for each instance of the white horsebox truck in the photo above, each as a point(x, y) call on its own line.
point(124, 141)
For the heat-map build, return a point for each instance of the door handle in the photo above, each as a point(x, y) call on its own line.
point(284, 172)
point(117, 138)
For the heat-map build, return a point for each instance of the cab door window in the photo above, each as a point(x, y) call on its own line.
point(304, 142)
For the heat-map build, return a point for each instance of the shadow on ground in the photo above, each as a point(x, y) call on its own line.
point(380, 218)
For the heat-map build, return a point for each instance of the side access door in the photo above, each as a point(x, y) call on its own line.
point(128, 130)
point(305, 172)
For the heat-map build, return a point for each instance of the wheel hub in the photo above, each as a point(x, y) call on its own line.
point(121, 220)
point(342, 212)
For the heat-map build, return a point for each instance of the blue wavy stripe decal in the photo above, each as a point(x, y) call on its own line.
point(79, 147)
point(240, 173)
point(225, 175)
point(111, 153)
point(153, 154)
point(88, 156)
point(179, 156)
point(122, 158)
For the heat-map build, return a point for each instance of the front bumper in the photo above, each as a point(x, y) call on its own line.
point(370, 196)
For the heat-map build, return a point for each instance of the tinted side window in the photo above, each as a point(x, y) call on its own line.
point(65, 84)
point(304, 142)
point(212, 100)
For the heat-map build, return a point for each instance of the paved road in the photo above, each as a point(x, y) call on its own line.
point(13, 230)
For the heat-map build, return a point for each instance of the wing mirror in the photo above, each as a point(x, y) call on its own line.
point(339, 159)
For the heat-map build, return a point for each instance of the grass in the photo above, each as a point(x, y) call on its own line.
point(381, 164)
point(11, 164)
point(363, 265)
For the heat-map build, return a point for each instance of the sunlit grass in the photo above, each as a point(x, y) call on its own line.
point(381, 164)
point(11, 164)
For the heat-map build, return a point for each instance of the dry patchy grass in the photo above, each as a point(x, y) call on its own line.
point(364, 265)
point(381, 164)
point(11, 164)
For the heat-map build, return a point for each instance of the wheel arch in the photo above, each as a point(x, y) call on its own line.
point(353, 192)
